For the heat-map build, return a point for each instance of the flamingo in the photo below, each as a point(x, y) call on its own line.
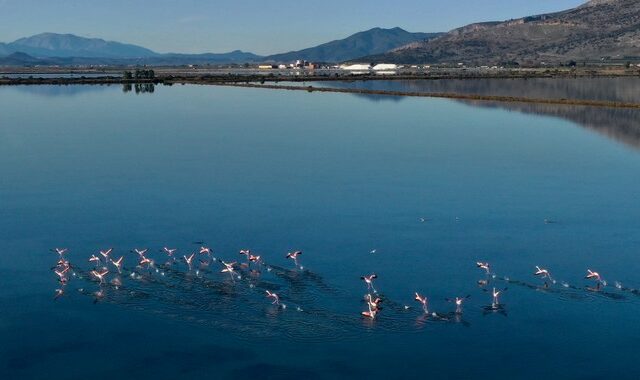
point(63, 263)
point(60, 251)
point(140, 252)
point(543, 273)
point(189, 259)
point(100, 275)
point(59, 293)
point(106, 254)
point(145, 261)
point(276, 299)
point(495, 302)
point(228, 268)
point(294, 256)
point(118, 263)
point(369, 281)
point(62, 276)
point(373, 302)
point(593, 275)
point(458, 302)
point(423, 300)
point(371, 313)
point(484, 266)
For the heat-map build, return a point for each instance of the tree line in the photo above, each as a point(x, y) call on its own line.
point(140, 74)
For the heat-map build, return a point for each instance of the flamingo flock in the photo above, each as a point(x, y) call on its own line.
point(103, 261)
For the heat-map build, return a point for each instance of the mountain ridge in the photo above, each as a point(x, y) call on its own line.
point(598, 29)
point(373, 41)
point(73, 49)
point(69, 45)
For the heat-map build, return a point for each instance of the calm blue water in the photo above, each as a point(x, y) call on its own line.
point(336, 176)
point(60, 75)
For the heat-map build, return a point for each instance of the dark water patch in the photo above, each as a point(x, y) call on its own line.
point(274, 372)
point(22, 358)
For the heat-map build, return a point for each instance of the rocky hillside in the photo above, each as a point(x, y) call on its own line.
point(599, 29)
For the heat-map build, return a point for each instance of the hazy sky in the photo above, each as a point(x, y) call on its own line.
point(259, 26)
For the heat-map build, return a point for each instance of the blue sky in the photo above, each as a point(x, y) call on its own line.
point(263, 27)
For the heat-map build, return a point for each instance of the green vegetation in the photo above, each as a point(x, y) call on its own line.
point(140, 74)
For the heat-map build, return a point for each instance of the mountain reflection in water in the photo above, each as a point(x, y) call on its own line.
point(617, 123)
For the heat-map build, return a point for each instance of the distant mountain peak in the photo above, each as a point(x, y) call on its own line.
point(372, 41)
point(70, 45)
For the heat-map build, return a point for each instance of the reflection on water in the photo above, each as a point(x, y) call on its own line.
point(621, 124)
point(54, 91)
point(78, 90)
point(622, 89)
point(139, 88)
point(60, 75)
point(617, 123)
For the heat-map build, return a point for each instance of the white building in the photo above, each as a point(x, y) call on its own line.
point(385, 67)
point(356, 67)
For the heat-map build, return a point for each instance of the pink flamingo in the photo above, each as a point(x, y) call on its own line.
point(369, 281)
point(424, 301)
point(118, 264)
point(294, 256)
point(276, 299)
point(100, 275)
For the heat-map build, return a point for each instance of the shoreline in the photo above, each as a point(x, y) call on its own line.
point(266, 82)
point(166, 75)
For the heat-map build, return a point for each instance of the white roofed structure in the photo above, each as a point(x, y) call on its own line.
point(385, 67)
point(356, 67)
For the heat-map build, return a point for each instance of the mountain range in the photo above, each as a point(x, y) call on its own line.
point(68, 45)
point(373, 41)
point(598, 29)
point(61, 49)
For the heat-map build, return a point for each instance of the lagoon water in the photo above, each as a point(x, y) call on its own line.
point(334, 175)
